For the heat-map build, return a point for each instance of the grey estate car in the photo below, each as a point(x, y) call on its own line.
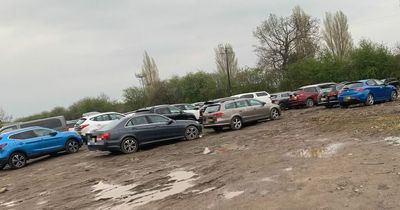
point(234, 113)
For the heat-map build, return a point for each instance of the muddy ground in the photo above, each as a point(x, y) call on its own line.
point(309, 159)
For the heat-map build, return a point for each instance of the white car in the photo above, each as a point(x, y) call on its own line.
point(261, 95)
point(188, 108)
point(86, 125)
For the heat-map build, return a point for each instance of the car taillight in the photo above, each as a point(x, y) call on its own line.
point(105, 136)
point(3, 145)
point(218, 114)
point(331, 94)
point(83, 126)
point(359, 89)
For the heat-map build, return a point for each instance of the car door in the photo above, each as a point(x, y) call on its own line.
point(242, 108)
point(140, 127)
point(166, 112)
point(29, 143)
point(257, 110)
point(165, 129)
point(50, 143)
point(375, 89)
point(385, 90)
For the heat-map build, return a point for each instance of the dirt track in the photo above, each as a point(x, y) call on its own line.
point(310, 159)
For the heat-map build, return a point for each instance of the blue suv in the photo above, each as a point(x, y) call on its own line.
point(17, 146)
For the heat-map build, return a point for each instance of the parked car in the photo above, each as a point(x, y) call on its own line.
point(57, 123)
point(392, 81)
point(189, 108)
point(261, 96)
point(329, 97)
point(234, 113)
point(367, 92)
point(282, 99)
point(308, 96)
point(210, 102)
point(86, 125)
point(128, 134)
point(17, 146)
point(168, 111)
point(198, 105)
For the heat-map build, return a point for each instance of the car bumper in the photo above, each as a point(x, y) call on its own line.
point(108, 145)
point(353, 99)
point(328, 101)
point(219, 124)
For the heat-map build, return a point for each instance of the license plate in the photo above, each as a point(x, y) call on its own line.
point(94, 142)
point(323, 99)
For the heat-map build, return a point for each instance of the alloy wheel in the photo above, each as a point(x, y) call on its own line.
point(274, 114)
point(191, 133)
point(237, 123)
point(370, 100)
point(129, 145)
point(18, 160)
point(73, 146)
point(394, 95)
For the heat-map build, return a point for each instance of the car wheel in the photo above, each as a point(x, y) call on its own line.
point(129, 145)
point(218, 129)
point(274, 114)
point(309, 102)
point(236, 123)
point(393, 96)
point(17, 160)
point(191, 132)
point(72, 146)
point(370, 100)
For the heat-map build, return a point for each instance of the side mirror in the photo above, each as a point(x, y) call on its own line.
point(53, 133)
point(170, 122)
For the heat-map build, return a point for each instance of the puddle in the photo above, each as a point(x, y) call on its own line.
point(178, 182)
point(230, 195)
point(393, 140)
point(318, 152)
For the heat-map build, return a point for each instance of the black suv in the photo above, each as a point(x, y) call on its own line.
point(168, 111)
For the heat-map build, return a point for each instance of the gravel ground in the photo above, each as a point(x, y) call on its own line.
point(309, 159)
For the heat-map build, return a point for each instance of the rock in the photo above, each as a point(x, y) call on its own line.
point(3, 190)
point(206, 151)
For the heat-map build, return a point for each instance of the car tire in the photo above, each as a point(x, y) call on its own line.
point(236, 123)
point(17, 160)
point(309, 103)
point(393, 96)
point(72, 146)
point(191, 132)
point(274, 113)
point(370, 100)
point(129, 145)
point(218, 129)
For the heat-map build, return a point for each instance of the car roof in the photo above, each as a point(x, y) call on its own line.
point(238, 95)
point(95, 115)
point(24, 129)
point(317, 85)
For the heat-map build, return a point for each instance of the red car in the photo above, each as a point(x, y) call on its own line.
point(308, 96)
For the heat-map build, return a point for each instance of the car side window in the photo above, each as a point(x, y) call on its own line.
point(115, 116)
point(247, 96)
point(42, 132)
point(163, 110)
point(254, 102)
point(23, 135)
point(371, 82)
point(140, 120)
point(285, 95)
point(230, 105)
point(157, 119)
point(240, 104)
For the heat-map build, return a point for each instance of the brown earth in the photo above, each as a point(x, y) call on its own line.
point(309, 159)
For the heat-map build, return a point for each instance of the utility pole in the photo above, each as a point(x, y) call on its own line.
point(227, 70)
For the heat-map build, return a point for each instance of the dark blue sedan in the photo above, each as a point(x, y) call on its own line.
point(17, 146)
point(367, 92)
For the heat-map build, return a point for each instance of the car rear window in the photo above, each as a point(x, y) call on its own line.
point(80, 121)
point(212, 108)
point(274, 96)
point(247, 96)
point(261, 94)
point(354, 85)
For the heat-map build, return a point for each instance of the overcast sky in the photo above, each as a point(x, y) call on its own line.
point(53, 53)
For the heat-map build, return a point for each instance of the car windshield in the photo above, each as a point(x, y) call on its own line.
point(111, 125)
point(212, 108)
point(190, 107)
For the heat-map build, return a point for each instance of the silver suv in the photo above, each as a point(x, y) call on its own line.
point(234, 113)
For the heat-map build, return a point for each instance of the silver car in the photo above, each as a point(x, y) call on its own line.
point(234, 113)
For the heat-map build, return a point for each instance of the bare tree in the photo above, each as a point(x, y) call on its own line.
point(4, 117)
point(336, 34)
point(149, 71)
point(225, 57)
point(307, 29)
point(285, 39)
